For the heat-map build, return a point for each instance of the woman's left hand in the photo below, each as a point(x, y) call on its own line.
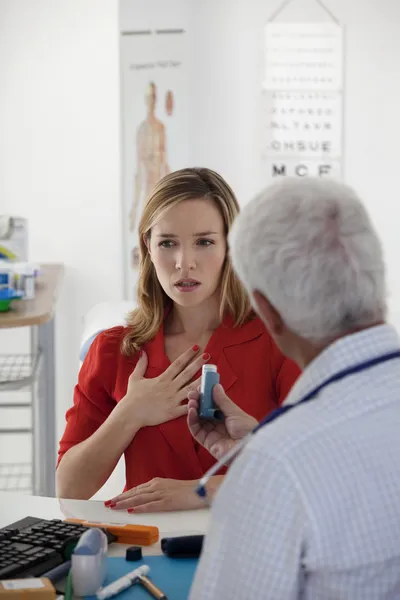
point(159, 495)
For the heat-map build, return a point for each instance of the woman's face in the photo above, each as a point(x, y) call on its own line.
point(188, 248)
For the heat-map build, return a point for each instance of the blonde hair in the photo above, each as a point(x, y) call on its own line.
point(185, 184)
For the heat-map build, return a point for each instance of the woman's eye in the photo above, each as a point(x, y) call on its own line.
point(205, 242)
point(172, 243)
point(166, 244)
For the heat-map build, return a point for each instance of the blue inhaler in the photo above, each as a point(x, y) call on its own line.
point(207, 408)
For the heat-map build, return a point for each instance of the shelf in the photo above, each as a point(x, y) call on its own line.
point(17, 371)
point(39, 310)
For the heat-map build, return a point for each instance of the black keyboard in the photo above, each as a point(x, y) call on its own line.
point(31, 547)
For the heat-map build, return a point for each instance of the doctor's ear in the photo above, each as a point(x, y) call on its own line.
point(268, 314)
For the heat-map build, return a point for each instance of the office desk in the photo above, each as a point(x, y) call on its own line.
point(17, 506)
point(20, 371)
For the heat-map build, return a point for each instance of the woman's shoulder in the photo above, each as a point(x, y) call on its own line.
point(104, 358)
point(113, 334)
point(107, 342)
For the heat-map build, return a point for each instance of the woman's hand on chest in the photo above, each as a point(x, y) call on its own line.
point(149, 402)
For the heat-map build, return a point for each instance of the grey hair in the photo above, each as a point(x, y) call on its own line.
point(309, 247)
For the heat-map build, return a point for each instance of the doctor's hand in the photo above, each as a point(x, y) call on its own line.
point(219, 437)
point(149, 402)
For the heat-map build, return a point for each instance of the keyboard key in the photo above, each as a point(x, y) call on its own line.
point(31, 551)
point(20, 547)
point(25, 563)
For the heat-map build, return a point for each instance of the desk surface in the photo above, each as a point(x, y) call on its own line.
point(39, 310)
point(17, 506)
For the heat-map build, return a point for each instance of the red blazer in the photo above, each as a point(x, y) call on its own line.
point(253, 372)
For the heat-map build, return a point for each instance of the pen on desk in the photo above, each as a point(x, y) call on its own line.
point(122, 583)
point(150, 587)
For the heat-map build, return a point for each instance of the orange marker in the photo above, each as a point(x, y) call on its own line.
point(139, 535)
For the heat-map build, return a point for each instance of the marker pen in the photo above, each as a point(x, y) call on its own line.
point(122, 583)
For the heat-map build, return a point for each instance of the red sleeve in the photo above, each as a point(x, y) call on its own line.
point(92, 402)
point(286, 373)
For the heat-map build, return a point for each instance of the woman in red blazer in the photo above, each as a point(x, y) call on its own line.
point(131, 395)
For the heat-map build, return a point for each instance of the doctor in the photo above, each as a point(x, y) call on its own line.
point(310, 508)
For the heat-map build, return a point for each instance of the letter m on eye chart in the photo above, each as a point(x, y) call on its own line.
point(154, 126)
point(301, 120)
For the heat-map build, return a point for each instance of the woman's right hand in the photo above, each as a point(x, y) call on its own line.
point(158, 400)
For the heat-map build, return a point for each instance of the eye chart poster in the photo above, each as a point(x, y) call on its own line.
point(302, 100)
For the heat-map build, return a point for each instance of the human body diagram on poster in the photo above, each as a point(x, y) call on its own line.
point(151, 159)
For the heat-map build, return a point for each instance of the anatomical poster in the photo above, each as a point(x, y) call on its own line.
point(154, 126)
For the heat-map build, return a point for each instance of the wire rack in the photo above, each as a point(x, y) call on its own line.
point(16, 477)
point(17, 370)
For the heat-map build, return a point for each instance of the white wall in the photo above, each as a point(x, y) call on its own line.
point(59, 152)
point(152, 14)
point(227, 79)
